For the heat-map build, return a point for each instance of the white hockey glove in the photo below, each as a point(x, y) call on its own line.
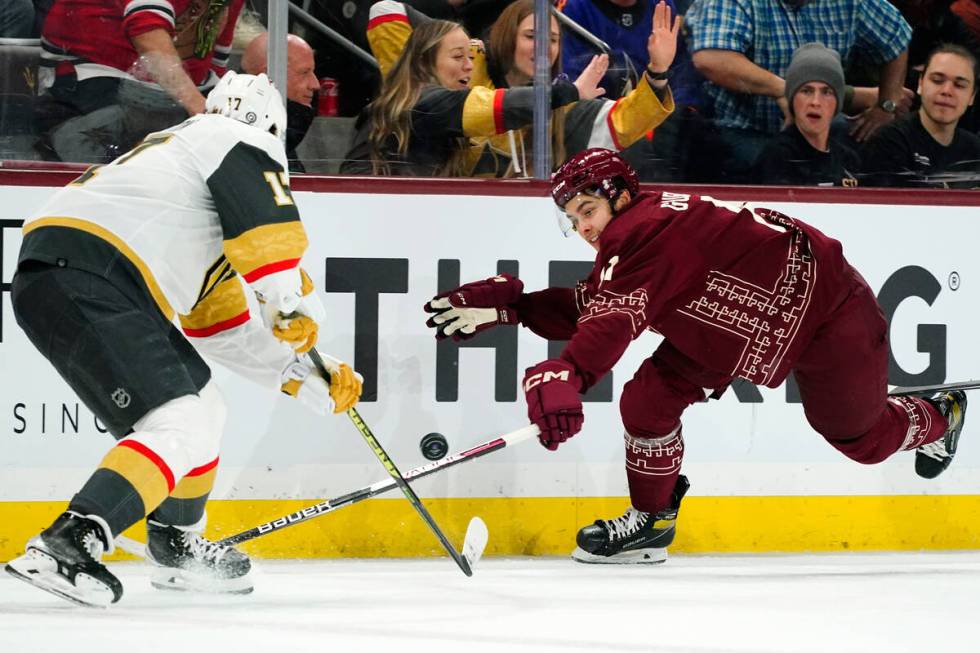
point(461, 323)
point(291, 307)
point(464, 312)
point(341, 393)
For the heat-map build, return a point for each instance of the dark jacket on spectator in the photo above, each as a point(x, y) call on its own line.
point(790, 160)
point(905, 154)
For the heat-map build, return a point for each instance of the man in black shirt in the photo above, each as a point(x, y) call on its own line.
point(928, 148)
point(804, 153)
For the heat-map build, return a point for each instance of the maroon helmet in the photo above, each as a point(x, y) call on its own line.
point(595, 168)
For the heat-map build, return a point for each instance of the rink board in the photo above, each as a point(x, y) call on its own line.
point(761, 478)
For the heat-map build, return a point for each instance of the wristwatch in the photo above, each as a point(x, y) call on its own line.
point(888, 106)
point(657, 76)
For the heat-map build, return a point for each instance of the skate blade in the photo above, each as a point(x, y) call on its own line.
point(178, 580)
point(39, 569)
point(637, 557)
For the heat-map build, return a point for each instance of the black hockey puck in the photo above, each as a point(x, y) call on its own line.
point(434, 446)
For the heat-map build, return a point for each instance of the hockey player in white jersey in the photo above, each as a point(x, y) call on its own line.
point(182, 225)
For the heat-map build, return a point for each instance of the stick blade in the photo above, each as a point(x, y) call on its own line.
point(131, 546)
point(972, 384)
point(475, 541)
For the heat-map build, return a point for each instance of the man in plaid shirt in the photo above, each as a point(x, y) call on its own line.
point(744, 48)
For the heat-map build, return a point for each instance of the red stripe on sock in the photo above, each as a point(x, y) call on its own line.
point(203, 469)
point(150, 455)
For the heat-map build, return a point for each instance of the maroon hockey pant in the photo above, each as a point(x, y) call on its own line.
point(842, 376)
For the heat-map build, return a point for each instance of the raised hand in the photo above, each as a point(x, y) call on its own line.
point(662, 44)
point(588, 82)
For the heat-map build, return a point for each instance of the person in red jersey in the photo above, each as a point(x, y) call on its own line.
point(737, 292)
point(119, 69)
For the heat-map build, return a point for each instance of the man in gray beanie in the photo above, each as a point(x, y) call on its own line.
point(803, 154)
point(815, 62)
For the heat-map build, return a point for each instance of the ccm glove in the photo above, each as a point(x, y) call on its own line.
point(341, 393)
point(291, 308)
point(551, 389)
point(473, 307)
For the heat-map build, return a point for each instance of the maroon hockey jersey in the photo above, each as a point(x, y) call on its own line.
point(738, 290)
point(79, 32)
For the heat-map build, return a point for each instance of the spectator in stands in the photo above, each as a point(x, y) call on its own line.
point(624, 26)
point(935, 22)
point(805, 153)
point(744, 48)
point(508, 63)
point(359, 82)
point(301, 87)
point(124, 70)
point(927, 148)
point(17, 20)
point(419, 124)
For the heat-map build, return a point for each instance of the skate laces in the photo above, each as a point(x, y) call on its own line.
point(945, 446)
point(627, 525)
point(93, 545)
point(202, 548)
point(935, 450)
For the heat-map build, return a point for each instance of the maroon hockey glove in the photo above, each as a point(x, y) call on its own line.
point(553, 402)
point(473, 307)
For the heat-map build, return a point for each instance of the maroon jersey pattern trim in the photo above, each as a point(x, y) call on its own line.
point(920, 421)
point(768, 319)
point(655, 457)
point(582, 296)
point(632, 305)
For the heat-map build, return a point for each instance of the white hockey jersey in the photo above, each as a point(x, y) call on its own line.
point(189, 207)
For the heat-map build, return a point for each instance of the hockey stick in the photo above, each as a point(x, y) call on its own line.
point(373, 490)
point(322, 508)
point(465, 560)
point(972, 384)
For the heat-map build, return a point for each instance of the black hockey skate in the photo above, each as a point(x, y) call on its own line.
point(66, 560)
point(932, 459)
point(184, 560)
point(635, 538)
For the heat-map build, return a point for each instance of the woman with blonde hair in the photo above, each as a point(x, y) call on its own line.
point(508, 63)
point(421, 121)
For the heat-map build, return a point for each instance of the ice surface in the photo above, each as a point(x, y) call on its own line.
point(692, 604)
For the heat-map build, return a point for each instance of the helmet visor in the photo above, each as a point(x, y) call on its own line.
point(565, 222)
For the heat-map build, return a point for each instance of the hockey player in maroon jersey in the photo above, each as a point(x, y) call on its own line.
point(737, 292)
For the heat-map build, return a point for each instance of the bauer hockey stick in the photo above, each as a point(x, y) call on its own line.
point(972, 384)
point(386, 485)
point(465, 559)
point(356, 496)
